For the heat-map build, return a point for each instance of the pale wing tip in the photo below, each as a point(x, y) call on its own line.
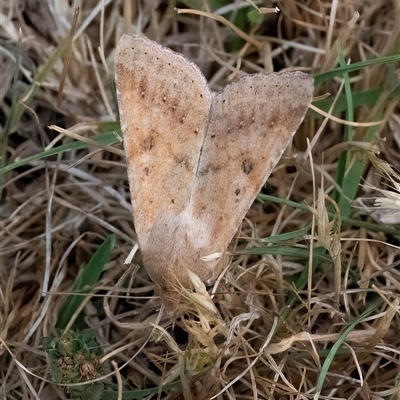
point(304, 83)
point(127, 39)
point(126, 42)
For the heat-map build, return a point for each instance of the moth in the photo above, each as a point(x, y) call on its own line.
point(197, 159)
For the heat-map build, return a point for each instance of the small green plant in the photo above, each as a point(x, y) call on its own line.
point(75, 358)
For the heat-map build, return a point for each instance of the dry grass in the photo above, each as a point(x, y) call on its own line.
point(308, 307)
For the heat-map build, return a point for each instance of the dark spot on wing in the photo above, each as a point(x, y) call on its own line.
point(148, 143)
point(275, 120)
point(209, 168)
point(247, 166)
point(182, 160)
point(142, 87)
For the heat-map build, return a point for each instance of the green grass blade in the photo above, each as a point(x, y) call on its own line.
point(294, 252)
point(87, 278)
point(338, 344)
point(349, 221)
point(367, 97)
point(4, 132)
point(103, 139)
point(352, 165)
point(326, 76)
point(348, 182)
point(288, 237)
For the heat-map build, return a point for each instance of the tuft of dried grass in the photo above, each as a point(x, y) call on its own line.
point(308, 307)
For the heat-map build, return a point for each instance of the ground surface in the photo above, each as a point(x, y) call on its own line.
point(308, 307)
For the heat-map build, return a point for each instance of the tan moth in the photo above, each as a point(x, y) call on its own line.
point(197, 159)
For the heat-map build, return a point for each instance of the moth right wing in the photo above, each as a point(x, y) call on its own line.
point(251, 123)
